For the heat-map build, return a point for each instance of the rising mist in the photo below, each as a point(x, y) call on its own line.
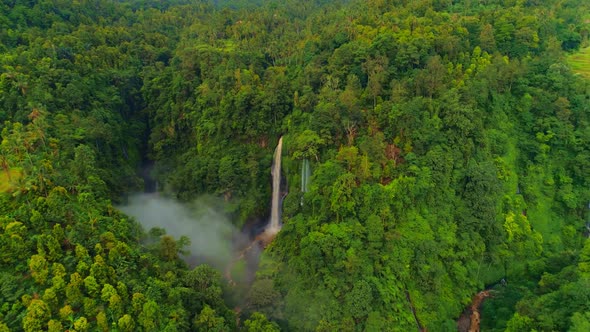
point(210, 231)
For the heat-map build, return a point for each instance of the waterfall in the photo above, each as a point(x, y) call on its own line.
point(275, 217)
point(274, 226)
point(305, 174)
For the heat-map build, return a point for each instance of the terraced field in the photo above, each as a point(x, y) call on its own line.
point(580, 62)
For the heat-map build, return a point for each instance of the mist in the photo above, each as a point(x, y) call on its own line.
point(209, 230)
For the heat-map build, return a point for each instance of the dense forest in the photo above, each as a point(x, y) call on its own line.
point(447, 143)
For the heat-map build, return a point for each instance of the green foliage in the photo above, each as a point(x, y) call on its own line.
point(259, 322)
point(208, 321)
point(448, 140)
point(580, 322)
point(70, 260)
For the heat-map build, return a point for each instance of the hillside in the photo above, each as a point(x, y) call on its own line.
point(430, 150)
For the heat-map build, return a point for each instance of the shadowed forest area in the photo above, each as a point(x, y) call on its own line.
point(432, 151)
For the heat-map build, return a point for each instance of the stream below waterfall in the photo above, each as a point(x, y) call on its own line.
point(470, 319)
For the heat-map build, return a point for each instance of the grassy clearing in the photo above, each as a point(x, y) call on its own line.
point(580, 62)
point(238, 271)
point(9, 179)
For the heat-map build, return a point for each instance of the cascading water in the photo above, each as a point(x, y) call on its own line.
point(275, 209)
point(274, 225)
point(305, 174)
